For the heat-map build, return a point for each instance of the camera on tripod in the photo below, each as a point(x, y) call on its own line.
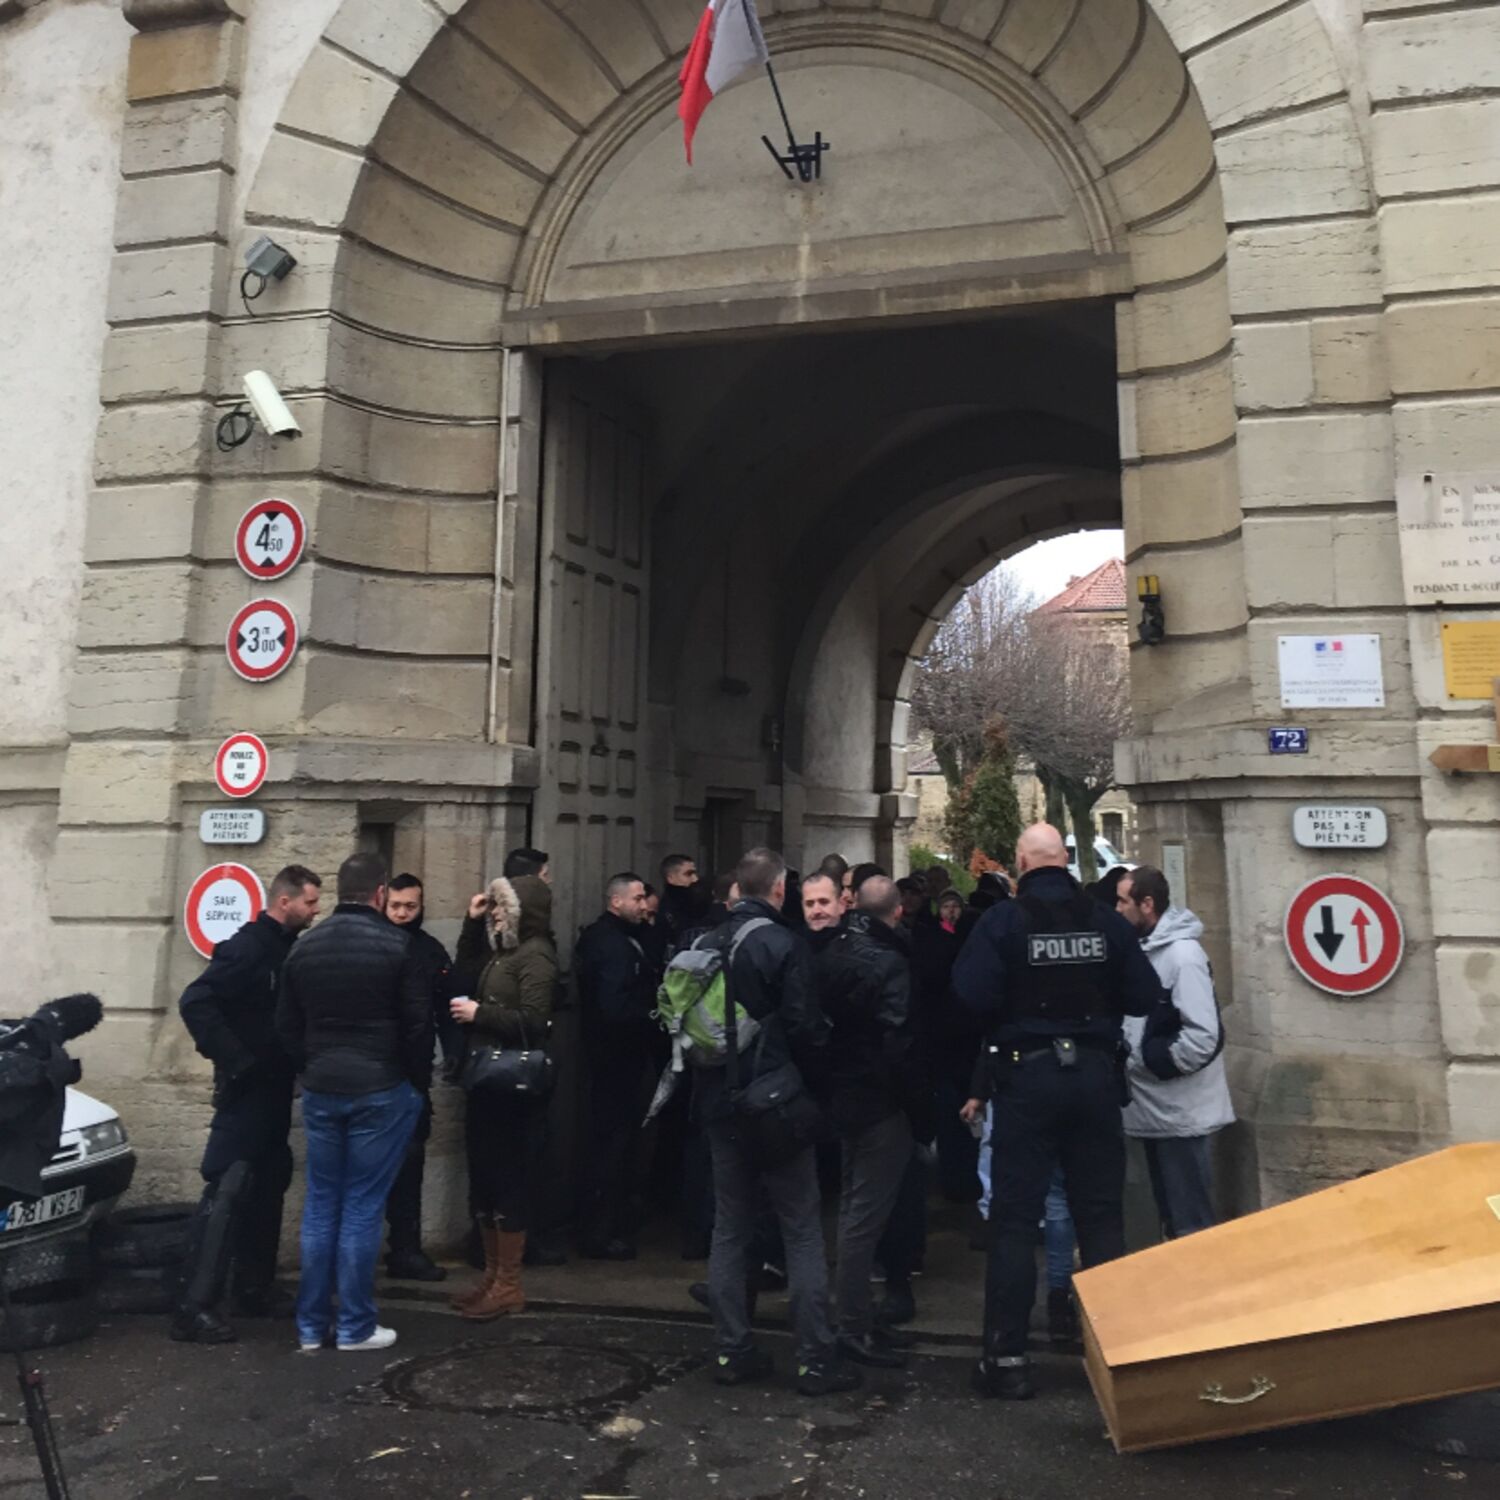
point(35, 1071)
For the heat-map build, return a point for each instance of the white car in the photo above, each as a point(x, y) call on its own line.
point(1106, 856)
point(90, 1169)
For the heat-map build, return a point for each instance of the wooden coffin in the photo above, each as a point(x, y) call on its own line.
point(1381, 1291)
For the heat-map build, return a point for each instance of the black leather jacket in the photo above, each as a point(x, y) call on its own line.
point(356, 1006)
point(864, 982)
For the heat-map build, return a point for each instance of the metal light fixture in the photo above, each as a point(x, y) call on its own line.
point(1153, 626)
point(265, 262)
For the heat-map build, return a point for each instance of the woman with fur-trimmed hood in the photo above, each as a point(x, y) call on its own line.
point(506, 956)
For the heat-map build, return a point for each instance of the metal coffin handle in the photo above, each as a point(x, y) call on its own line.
point(1259, 1386)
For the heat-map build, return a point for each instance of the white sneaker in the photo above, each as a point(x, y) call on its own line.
point(382, 1338)
point(306, 1348)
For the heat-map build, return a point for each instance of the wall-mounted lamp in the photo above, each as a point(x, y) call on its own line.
point(1153, 627)
point(265, 261)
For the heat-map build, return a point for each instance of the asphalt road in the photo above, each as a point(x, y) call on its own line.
point(578, 1405)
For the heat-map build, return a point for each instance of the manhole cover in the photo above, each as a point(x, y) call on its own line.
point(560, 1382)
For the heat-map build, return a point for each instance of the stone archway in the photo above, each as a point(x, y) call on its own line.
point(435, 168)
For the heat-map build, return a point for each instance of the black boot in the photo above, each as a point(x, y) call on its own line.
point(413, 1265)
point(1004, 1377)
point(866, 1350)
point(206, 1267)
point(898, 1305)
point(264, 1302)
point(1062, 1318)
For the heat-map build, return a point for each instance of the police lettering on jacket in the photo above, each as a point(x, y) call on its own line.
point(1045, 948)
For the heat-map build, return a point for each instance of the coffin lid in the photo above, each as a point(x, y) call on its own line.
point(1413, 1240)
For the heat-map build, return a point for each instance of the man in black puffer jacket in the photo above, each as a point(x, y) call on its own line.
point(230, 1012)
point(356, 1016)
point(864, 984)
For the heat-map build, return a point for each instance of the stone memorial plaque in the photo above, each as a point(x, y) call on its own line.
point(1450, 537)
point(1471, 657)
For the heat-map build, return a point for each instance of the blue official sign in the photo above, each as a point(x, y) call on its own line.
point(1287, 741)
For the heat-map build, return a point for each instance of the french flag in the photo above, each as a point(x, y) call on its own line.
point(728, 42)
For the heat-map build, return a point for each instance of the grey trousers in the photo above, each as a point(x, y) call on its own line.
point(874, 1161)
point(793, 1191)
point(1181, 1170)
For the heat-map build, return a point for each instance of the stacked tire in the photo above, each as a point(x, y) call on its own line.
point(139, 1254)
point(50, 1285)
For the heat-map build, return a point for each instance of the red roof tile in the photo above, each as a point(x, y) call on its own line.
point(1102, 590)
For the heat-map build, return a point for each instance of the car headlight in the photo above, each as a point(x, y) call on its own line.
point(105, 1137)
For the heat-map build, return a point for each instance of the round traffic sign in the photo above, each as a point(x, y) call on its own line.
point(262, 640)
point(241, 765)
point(1343, 935)
point(269, 540)
point(221, 900)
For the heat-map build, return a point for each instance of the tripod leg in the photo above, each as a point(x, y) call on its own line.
point(34, 1398)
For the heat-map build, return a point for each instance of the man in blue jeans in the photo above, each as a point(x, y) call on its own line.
point(355, 1014)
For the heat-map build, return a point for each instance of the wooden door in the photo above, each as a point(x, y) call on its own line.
point(592, 644)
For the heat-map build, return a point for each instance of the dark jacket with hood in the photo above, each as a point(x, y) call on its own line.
point(356, 1008)
point(772, 978)
point(864, 977)
point(516, 984)
point(992, 970)
point(230, 1008)
point(683, 908)
point(616, 987)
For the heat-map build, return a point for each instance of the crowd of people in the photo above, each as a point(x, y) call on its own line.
point(869, 1032)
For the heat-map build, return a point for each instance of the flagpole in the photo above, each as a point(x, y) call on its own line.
point(786, 119)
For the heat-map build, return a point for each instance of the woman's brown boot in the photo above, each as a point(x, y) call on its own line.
point(490, 1237)
point(503, 1294)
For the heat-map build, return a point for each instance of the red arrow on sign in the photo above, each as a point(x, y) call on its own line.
point(1359, 922)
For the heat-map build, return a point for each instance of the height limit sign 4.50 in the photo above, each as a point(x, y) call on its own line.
point(270, 538)
point(1343, 935)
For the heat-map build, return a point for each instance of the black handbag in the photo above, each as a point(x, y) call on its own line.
point(774, 1115)
point(523, 1072)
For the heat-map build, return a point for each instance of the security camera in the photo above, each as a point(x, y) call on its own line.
point(273, 414)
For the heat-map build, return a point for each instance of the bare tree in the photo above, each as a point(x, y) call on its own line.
point(1068, 701)
point(960, 686)
point(1058, 685)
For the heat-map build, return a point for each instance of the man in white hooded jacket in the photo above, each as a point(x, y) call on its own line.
point(1179, 1094)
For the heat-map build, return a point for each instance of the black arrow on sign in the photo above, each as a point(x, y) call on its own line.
point(239, 640)
point(281, 641)
point(1328, 940)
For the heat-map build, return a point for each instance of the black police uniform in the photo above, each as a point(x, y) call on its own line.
point(230, 1010)
point(1052, 974)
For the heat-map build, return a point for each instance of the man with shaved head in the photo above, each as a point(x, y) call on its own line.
point(1052, 975)
point(863, 970)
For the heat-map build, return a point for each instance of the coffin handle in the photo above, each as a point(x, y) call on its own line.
point(1259, 1386)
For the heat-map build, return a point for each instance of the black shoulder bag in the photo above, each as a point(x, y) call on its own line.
point(774, 1116)
point(523, 1072)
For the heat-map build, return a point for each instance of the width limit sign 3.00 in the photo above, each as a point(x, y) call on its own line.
point(1343, 935)
point(262, 640)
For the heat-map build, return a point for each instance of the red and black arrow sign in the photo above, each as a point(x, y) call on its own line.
point(262, 640)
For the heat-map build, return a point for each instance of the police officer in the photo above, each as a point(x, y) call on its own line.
point(1051, 974)
point(230, 1010)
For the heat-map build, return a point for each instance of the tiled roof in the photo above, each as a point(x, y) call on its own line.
point(1101, 590)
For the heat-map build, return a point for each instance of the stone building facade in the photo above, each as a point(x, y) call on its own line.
point(634, 490)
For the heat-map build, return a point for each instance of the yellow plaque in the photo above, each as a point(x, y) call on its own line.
point(1494, 754)
point(1471, 657)
point(1494, 1203)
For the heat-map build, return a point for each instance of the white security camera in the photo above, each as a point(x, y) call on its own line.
point(273, 414)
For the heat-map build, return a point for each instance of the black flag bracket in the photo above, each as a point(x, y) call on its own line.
point(801, 161)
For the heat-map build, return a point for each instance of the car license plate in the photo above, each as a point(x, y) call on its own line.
point(42, 1211)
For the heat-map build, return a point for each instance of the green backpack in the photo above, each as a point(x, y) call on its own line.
point(690, 1002)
